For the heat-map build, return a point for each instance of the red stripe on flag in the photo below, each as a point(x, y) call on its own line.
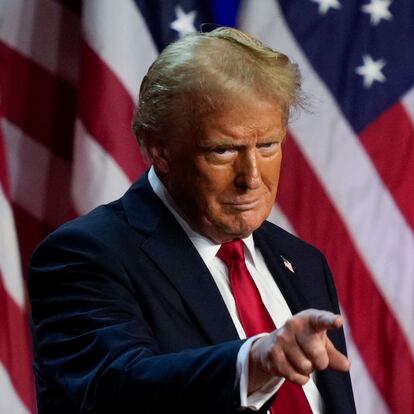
point(375, 330)
point(4, 182)
point(30, 232)
point(15, 353)
point(106, 109)
point(38, 102)
point(389, 140)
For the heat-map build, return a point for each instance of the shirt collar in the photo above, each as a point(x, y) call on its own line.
point(206, 248)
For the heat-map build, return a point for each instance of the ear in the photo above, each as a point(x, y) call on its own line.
point(157, 152)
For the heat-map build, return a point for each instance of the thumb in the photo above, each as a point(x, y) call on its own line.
point(337, 360)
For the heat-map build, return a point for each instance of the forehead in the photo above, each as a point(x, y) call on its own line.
point(256, 118)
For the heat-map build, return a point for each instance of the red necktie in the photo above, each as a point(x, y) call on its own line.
point(290, 398)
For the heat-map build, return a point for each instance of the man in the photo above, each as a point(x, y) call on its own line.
point(142, 306)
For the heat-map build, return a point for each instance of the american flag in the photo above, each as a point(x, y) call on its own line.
point(69, 76)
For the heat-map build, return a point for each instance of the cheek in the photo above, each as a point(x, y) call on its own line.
point(214, 184)
point(202, 197)
point(271, 173)
point(211, 199)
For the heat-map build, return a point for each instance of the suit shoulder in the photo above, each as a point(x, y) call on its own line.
point(96, 223)
point(288, 240)
point(105, 227)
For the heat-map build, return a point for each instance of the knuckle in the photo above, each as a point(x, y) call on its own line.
point(306, 366)
point(284, 337)
point(302, 380)
point(297, 378)
point(277, 354)
point(292, 376)
point(292, 324)
point(301, 364)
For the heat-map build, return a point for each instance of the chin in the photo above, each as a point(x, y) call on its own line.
point(251, 222)
point(242, 231)
point(233, 226)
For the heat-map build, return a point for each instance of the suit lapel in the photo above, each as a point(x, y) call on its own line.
point(287, 280)
point(170, 248)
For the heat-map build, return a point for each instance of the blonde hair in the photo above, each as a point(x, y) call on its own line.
point(203, 72)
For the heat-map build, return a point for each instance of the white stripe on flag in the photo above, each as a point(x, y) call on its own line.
point(117, 32)
point(10, 402)
point(97, 178)
point(9, 254)
point(385, 243)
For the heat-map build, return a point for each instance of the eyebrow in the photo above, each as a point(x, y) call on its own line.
point(229, 142)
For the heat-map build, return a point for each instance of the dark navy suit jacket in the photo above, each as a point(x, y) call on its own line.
point(128, 319)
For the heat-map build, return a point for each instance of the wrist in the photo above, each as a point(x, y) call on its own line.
point(258, 375)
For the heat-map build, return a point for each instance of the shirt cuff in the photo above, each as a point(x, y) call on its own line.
point(257, 399)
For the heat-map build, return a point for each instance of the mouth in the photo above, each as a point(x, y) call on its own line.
point(244, 205)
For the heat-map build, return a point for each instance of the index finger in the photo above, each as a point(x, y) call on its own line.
point(323, 320)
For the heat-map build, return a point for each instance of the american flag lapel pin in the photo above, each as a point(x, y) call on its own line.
point(287, 264)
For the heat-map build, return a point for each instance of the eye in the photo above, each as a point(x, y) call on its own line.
point(221, 154)
point(269, 147)
point(221, 150)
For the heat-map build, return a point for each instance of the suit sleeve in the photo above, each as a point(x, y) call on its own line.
point(93, 345)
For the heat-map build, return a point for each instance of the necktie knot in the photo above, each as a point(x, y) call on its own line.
point(231, 251)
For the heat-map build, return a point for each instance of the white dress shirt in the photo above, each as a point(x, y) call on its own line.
point(271, 296)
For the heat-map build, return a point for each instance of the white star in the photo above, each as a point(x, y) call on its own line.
point(185, 21)
point(378, 9)
point(371, 71)
point(325, 5)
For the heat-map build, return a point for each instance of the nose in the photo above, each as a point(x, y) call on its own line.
point(248, 173)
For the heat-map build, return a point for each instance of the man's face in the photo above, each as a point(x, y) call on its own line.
point(225, 179)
